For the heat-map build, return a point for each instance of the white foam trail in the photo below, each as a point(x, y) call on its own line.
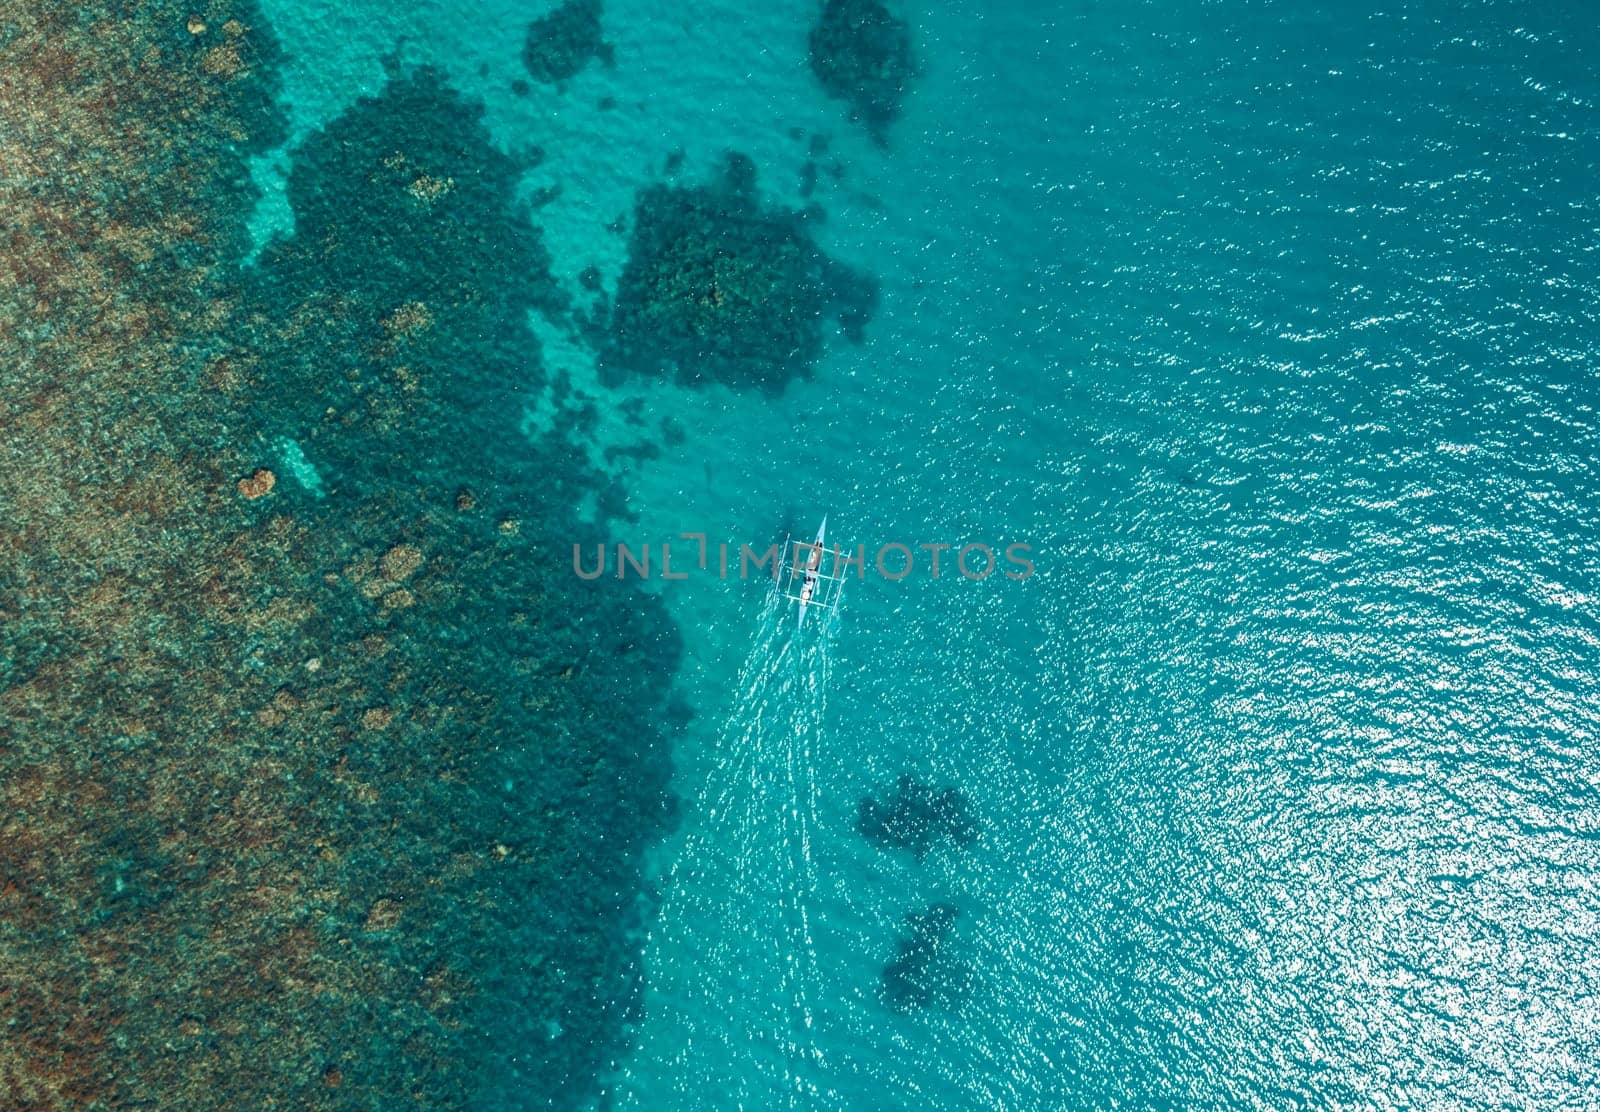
point(732, 981)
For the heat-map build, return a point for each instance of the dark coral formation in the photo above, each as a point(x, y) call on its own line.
point(306, 799)
point(926, 971)
point(561, 43)
point(861, 53)
point(719, 287)
point(919, 818)
point(411, 269)
point(403, 295)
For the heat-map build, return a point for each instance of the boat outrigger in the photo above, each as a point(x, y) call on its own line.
point(803, 578)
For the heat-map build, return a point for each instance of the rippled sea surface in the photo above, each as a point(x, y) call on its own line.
point(1273, 329)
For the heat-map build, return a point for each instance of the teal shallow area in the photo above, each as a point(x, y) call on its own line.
point(1272, 329)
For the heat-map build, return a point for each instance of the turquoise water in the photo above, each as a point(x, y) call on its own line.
point(1271, 329)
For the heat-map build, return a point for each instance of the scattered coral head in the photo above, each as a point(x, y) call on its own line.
point(222, 61)
point(408, 320)
point(400, 562)
point(861, 54)
point(427, 189)
point(925, 971)
point(258, 483)
point(719, 286)
point(564, 41)
point(918, 817)
point(398, 599)
point(384, 915)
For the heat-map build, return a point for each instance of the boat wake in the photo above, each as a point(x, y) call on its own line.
point(731, 972)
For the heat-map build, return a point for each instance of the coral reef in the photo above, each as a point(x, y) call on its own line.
point(305, 801)
point(719, 287)
point(925, 970)
point(395, 304)
point(564, 41)
point(861, 53)
point(919, 818)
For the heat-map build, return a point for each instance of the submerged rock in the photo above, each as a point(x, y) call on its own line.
point(862, 55)
point(925, 971)
point(719, 287)
point(918, 818)
point(563, 42)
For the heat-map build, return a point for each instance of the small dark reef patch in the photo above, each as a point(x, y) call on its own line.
point(919, 818)
point(861, 53)
point(561, 43)
point(925, 971)
point(719, 287)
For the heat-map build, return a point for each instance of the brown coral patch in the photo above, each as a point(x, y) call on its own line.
point(383, 915)
point(258, 483)
point(400, 562)
point(397, 599)
point(408, 320)
point(222, 61)
point(427, 189)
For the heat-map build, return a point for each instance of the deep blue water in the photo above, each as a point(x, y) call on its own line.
point(1272, 329)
